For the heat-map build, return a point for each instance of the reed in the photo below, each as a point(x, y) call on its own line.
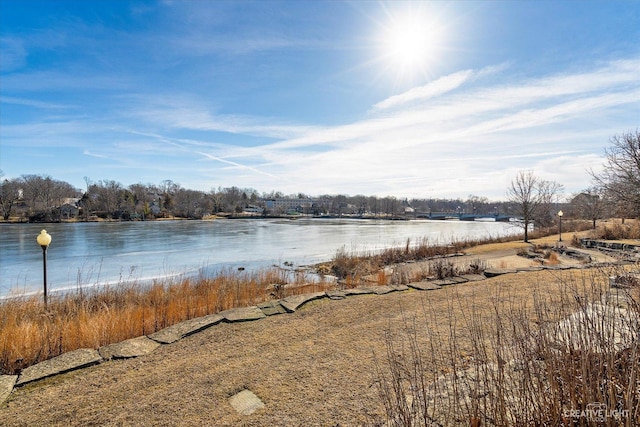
point(31, 332)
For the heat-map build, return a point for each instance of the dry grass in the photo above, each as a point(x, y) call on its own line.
point(514, 360)
point(497, 247)
point(352, 267)
point(31, 332)
point(314, 367)
point(614, 230)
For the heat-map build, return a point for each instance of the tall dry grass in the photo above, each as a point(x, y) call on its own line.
point(569, 358)
point(353, 266)
point(31, 332)
point(617, 230)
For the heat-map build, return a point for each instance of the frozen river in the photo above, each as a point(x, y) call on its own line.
point(85, 254)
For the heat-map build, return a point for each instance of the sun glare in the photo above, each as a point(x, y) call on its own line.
point(410, 43)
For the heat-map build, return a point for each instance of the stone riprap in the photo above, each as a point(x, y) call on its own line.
point(494, 272)
point(381, 290)
point(6, 386)
point(473, 277)
point(271, 308)
point(358, 291)
point(293, 302)
point(243, 314)
point(134, 347)
point(424, 285)
point(60, 364)
point(529, 269)
point(449, 281)
point(336, 294)
point(183, 329)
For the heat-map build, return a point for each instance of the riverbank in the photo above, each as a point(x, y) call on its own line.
point(315, 366)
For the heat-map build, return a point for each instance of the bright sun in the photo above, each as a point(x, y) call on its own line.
point(410, 42)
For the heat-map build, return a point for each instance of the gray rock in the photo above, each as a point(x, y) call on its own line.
point(66, 362)
point(400, 288)
point(557, 267)
point(271, 308)
point(449, 281)
point(493, 272)
point(134, 347)
point(473, 277)
point(381, 290)
point(293, 302)
point(243, 314)
point(336, 294)
point(598, 328)
point(358, 291)
point(528, 269)
point(6, 386)
point(183, 329)
point(245, 402)
point(425, 285)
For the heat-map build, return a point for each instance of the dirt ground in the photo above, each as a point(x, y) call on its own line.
point(314, 367)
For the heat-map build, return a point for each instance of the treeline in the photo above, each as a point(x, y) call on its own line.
point(41, 198)
point(615, 193)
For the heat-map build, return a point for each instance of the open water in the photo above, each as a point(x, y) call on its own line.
point(94, 254)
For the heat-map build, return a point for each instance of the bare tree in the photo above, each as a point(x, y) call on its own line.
point(533, 198)
point(106, 197)
point(589, 205)
point(548, 192)
point(9, 196)
point(620, 178)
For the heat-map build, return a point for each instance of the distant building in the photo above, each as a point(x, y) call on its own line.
point(285, 205)
point(69, 208)
point(252, 209)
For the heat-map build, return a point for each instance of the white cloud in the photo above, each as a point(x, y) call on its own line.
point(13, 52)
point(33, 103)
point(447, 139)
point(431, 90)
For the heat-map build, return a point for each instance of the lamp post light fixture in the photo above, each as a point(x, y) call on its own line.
point(44, 239)
point(560, 214)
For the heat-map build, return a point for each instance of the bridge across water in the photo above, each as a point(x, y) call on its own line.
point(465, 216)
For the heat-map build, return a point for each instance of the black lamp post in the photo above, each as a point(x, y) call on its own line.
point(560, 214)
point(44, 239)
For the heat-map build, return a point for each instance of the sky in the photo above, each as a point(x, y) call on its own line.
point(439, 99)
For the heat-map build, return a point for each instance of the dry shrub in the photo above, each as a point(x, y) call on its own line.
point(31, 332)
point(382, 277)
point(569, 359)
point(350, 266)
point(442, 268)
point(618, 231)
point(551, 257)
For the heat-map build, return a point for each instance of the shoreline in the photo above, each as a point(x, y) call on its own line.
point(284, 366)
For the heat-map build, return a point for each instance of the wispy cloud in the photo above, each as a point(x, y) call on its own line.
point(458, 135)
point(238, 165)
point(14, 54)
point(431, 90)
point(33, 103)
point(466, 133)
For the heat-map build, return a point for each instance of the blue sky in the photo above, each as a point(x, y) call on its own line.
point(409, 99)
